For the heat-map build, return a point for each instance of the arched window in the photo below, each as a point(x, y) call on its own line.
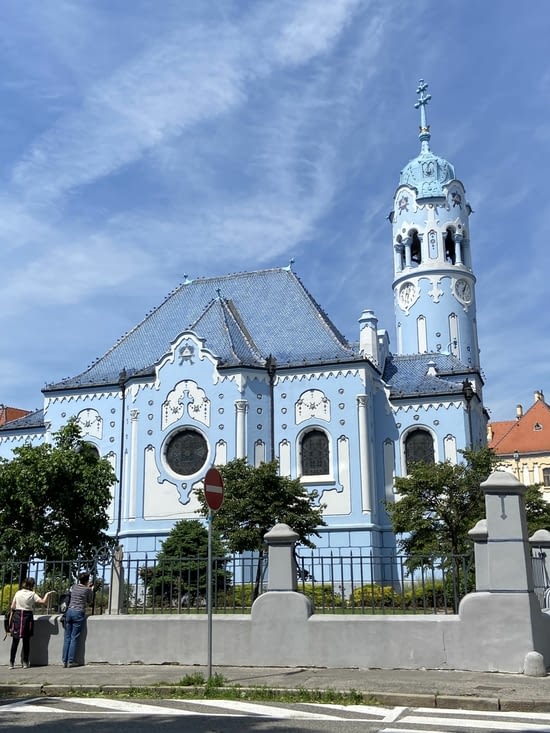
point(315, 453)
point(419, 447)
point(450, 248)
point(416, 250)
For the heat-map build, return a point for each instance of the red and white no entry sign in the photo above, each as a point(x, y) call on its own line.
point(213, 489)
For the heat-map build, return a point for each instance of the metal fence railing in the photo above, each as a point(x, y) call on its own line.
point(335, 583)
point(365, 583)
point(57, 575)
point(346, 583)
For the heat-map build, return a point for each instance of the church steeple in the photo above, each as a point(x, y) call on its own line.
point(423, 100)
point(433, 278)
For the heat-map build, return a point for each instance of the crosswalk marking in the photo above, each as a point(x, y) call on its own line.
point(267, 710)
point(390, 720)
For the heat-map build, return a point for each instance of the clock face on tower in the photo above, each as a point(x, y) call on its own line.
point(463, 291)
point(407, 295)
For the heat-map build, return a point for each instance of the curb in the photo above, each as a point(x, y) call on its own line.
point(389, 699)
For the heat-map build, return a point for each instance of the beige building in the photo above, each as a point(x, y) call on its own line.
point(524, 443)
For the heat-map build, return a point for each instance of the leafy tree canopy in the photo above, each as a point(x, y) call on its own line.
point(54, 498)
point(257, 498)
point(537, 509)
point(439, 503)
point(188, 538)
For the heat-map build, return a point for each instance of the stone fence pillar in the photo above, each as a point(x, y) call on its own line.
point(116, 588)
point(503, 621)
point(509, 564)
point(281, 541)
point(479, 536)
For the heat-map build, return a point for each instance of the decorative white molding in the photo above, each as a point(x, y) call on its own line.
point(220, 458)
point(338, 500)
point(186, 394)
point(310, 376)
point(259, 452)
point(312, 404)
point(90, 423)
point(284, 458)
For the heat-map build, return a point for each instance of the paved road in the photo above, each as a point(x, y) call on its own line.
point(101, 715)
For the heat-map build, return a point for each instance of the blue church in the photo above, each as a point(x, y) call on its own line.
point(249, 366)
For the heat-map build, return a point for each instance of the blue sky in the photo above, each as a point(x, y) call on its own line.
point(145, 140)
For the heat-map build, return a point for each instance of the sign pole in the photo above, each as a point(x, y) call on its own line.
point(209, 593)
point(213, 494)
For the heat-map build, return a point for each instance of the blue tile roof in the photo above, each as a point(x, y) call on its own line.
point(243, 318)
point(408, 376)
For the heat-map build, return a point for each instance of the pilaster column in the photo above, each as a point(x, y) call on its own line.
point(134, 418)
point(364, 457)
point(241, 408)
point(407, 245)
point(458, 248)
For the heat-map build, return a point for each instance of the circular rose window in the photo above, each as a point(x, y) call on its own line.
point(186, 452)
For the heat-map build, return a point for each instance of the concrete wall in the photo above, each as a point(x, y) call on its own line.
point(500, 628)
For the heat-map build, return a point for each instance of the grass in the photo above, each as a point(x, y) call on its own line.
point(195, 686)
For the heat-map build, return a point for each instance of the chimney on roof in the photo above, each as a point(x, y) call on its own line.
point(368, 336)
point(539, 396)
point(432, 369)
point(519, 412)
point(489, 432)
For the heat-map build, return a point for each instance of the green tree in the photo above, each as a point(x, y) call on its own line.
point(54, 499)
point(257, 498)
point(537, 509)
point(439, 503)
point(180, 572)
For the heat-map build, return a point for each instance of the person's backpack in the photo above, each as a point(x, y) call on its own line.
point(8, 617)
point(64, 600)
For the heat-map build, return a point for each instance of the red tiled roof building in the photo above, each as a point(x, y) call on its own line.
point(524, 443)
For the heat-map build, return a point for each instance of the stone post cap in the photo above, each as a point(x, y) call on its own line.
point(502, 482)
point(479, 532)
point(281, 534)
point(540, 538)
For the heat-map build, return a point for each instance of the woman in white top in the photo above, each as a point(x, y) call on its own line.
point(22, 624)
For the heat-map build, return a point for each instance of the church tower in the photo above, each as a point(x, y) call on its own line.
point(434, 285)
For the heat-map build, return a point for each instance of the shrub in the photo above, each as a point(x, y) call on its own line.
point(322, 595)
point(8, 592)
point(375, 596)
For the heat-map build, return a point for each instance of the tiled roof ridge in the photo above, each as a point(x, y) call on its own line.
point(228, 311)
point(339, 337)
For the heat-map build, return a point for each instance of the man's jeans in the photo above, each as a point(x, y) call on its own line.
point(74, 624)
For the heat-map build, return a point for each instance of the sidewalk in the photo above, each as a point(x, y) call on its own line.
point(425, 688)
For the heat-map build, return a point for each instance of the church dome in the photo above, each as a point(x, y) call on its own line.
point(427, 173)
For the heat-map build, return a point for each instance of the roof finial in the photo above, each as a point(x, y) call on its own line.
point(219, 292)
point(423, 100)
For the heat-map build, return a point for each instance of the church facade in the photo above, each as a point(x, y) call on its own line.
point(249, 366)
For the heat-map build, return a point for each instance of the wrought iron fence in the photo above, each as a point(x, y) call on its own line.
point(59, 576)
point(359, 583)
point(364, 583)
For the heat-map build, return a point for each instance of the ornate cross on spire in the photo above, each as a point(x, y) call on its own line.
point(423, 100)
